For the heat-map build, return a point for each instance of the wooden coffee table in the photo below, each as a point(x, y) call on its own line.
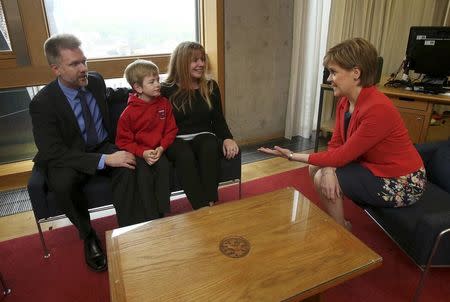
point(277, 246)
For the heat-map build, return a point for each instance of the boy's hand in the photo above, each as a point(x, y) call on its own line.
point(158, 152)
point(152, 156)
point(148, 156)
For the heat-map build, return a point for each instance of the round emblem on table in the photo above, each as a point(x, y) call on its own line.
point(234, 246)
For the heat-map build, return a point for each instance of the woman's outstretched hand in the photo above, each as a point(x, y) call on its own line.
point(276, 151)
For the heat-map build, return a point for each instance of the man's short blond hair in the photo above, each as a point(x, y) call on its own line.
point(138, 70)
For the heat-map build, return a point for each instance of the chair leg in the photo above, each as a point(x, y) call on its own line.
point(240, 188)
point(41, 236)
point(428, 265)
point(6, 289)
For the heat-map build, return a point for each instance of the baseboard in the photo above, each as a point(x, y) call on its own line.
point(261, 139)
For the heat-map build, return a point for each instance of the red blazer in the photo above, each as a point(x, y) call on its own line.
point(376, 137)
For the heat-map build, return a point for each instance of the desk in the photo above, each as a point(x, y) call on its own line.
point(414, 107)
point(277, 246)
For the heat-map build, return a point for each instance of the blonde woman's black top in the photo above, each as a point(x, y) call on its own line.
point(199, 118)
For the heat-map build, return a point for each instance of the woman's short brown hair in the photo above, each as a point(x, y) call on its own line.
point(356, 52)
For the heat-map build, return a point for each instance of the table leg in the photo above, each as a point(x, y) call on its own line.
point(315, 298)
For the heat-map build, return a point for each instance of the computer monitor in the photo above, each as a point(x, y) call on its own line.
point(428, 52)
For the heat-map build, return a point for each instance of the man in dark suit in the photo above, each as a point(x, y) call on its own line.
point(71, 131)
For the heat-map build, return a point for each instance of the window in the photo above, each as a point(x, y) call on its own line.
point(4, 38)
point(111, 28)
point(16, 138)
point(7, 57)
point(29, 23)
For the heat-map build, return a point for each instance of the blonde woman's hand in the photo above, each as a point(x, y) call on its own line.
point(230, 148)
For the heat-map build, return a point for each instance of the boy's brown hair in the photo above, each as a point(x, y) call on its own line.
point(136, 71)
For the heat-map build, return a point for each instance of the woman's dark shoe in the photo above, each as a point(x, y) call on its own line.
point(93, 253)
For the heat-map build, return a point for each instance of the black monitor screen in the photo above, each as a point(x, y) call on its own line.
point(428, 50)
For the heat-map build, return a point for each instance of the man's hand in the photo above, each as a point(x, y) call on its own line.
point(121, 159)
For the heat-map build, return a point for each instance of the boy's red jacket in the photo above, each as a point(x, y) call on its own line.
point(146, 125)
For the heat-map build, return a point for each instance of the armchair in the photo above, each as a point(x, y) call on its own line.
point(422, 230)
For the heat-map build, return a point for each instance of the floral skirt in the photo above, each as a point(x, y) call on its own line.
point(364, 188)
point(404, 190)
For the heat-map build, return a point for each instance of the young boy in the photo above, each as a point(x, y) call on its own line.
point(146, 128)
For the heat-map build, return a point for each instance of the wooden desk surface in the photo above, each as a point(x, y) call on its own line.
point(296, 251)
point(400, 92)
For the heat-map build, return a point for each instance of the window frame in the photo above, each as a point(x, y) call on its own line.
point(7, 59)
point(34, 22)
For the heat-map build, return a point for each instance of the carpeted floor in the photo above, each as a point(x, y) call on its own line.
point(65, 277)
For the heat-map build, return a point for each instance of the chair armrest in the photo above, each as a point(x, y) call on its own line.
point(37, 190)
point(117, 101)
point(230, 169)
point(426, 150)
point(428, 228)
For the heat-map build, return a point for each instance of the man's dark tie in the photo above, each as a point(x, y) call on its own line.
point(91, 133)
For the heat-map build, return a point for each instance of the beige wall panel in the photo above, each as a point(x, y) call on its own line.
point(258, 46)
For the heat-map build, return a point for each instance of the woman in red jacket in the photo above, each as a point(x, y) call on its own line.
point(370, 157)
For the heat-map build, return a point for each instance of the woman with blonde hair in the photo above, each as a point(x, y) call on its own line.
point(370, 157)
point(202, 130)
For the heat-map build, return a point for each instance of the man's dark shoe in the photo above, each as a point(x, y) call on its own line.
point(93, 253)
